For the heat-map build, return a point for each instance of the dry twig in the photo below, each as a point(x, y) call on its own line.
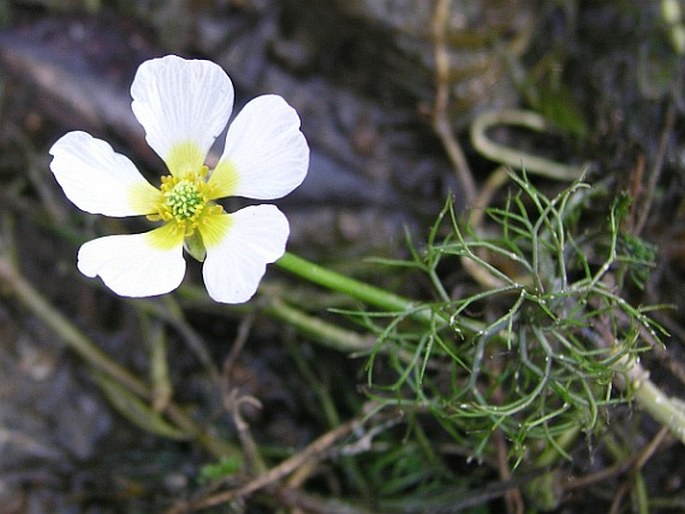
point(314, 452)
point(441, 122)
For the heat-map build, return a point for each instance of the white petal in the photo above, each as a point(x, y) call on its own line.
point(135, 265)
point(183, 106)
point(236, 261)
point(266, 156)
point(99, 180)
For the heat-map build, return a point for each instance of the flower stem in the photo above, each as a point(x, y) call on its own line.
point(356, 289)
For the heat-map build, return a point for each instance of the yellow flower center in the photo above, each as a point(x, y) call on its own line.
point(184, 201)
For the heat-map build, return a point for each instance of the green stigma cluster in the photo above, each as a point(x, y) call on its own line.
point(184, 201)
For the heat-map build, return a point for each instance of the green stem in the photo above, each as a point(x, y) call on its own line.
point(361, 291)
point(669, 411)
point(11, 279)
point(78, 342)
point(325, 333)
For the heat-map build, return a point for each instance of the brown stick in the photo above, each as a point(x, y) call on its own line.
point(312, 452)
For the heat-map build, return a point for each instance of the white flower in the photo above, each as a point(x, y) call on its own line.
point(183, 106)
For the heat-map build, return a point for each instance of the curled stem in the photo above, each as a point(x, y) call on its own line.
point(511, 156)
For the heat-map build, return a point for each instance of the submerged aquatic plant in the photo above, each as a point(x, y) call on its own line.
point(538, 354)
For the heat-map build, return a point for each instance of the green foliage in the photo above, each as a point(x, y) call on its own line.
point(536, 353)
point(639, 255)
point(557, 105)
point(217, 470)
